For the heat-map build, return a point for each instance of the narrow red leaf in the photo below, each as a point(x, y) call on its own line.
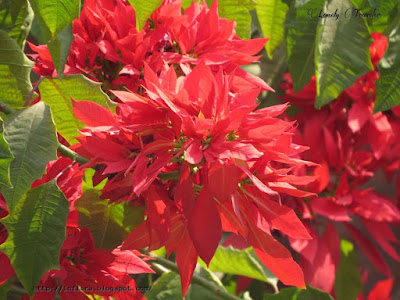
point(205, 226)
point(92, 114)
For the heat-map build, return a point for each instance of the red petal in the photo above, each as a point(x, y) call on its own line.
point(128, 263)
point(282, 218)
point(369, 249)
point(186, 259)
point(382, 233)
point(276, 258)
point(194, 153)
point(381, 291)
point(92, 114)
point(205, 226)
point(223, 180)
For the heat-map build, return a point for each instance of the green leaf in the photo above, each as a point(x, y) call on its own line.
point(5, 159)
point(297, 294)
point(109, 224)
point(4, 289)
point(143, 10)
point(384, 7)
point(388, 84)
point(54, 15)
point(186, 3)
point(36, 231)
point(15, 69)
point(348, 284)
point(271, 15)
point(59, 49)
point(342, 52)
point(87, 181)
point(300, 42)
point(168, 287)
point(32, 138)
point(16, 18)
point(240, 262)
point(57, 94)
point(238, 10)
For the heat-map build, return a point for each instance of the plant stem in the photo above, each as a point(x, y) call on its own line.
point(64, 150)
point(219, 291)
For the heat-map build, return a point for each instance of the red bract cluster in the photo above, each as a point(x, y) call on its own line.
point(350, 144)
point(201, 159)
point(185, 141)
point(108, 48)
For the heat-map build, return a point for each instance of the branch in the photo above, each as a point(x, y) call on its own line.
point(220, 292)
point(64, 150)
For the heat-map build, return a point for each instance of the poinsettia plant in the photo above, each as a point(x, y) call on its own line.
point(150, 159)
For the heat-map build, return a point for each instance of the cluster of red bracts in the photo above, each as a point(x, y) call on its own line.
point(350, 144)
point(189, 144)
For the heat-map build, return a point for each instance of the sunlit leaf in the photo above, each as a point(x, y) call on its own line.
point(57, 94)
point(32, 139)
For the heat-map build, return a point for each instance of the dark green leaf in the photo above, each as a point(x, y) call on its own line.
point(388, 84)
point(348, 284)
point(271, 15)
point(109, 224)
point(57, 94)
point(143, 10)
point(15, 68)
point(32, 138)
point(36, 231)
point(16, 18)
point(297, 294)
point(5, 159)
point(54, 15)
point(342, 52)
point(4, 289)
point(384, 7)
point(300, 41)
point(59, 49)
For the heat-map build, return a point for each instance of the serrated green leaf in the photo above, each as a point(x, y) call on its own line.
point(348, 284)
point(32, 138)
point(5, 159)
point(36, 231)
point(109, 224)
point(57, 94)
point(143, 10)
point(59, 49)
point(388, 84)
point(238, 10)
point(271, 15)
point(240, 262)
point(54, 15)
point(342, 52)
point(15, 69)
point(300, 41)
point(16, 19)
point(297, 294)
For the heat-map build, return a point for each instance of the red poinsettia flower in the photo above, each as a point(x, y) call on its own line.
point(87, 270)
point(200, 153)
